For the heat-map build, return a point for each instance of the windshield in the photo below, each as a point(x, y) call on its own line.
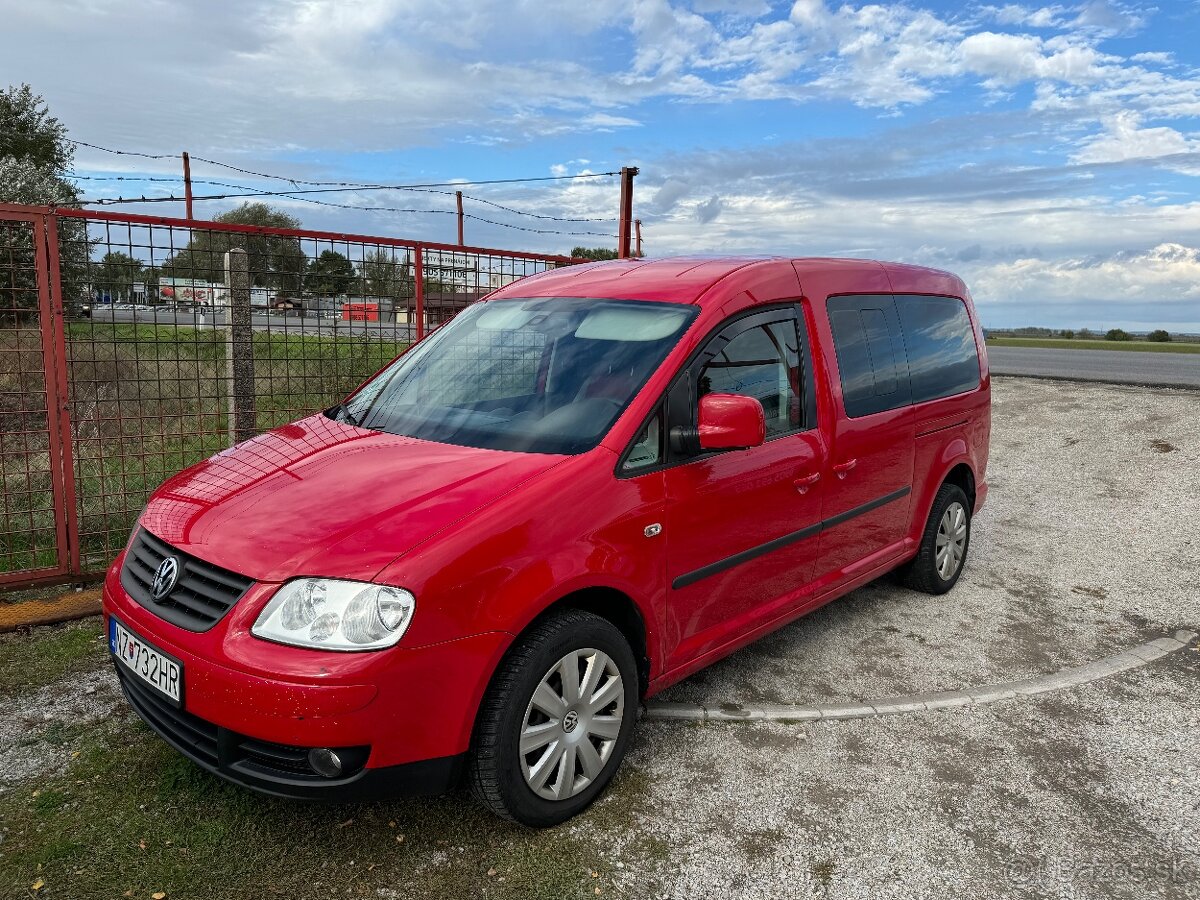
point(544, 376)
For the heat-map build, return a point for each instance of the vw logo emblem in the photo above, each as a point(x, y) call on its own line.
point(570, 720)
point(164, 578)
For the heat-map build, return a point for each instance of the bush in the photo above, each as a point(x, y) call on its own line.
point(1159, 336)
point(1067, 333)
point(1117, 334)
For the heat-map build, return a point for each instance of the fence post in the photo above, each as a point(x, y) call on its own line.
point(625, 223)
point(419, 275)
point(239, 348)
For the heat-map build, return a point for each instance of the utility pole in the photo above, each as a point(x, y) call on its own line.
point(187, 184)
point(637, 230)
point(458, 200)
point(625, 219)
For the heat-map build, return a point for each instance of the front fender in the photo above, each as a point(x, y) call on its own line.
point(576, 528)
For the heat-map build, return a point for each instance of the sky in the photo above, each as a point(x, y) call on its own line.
point(1050, 155)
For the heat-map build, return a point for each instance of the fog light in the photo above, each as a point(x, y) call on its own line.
point(325, 762)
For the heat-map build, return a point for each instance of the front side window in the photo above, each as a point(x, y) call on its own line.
point(647, 450)
point(542, 376)
point(761, 362)
point(942, 357)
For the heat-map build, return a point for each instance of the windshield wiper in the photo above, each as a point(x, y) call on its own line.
point(346, 416)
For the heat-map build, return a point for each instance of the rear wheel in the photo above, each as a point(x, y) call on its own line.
point(556, 720)
point(944, 543)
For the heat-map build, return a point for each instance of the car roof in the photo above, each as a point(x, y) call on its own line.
point(685, 279)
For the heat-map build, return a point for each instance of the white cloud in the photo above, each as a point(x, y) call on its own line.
point(1165, 275)
point(608, 121)
point(1009, 59)
point(1124, 139)
point(1153, 58)
point(749, 8)
point(1032, 17)
point(1109, 18)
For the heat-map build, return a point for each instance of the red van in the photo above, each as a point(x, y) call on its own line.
point(578, 492)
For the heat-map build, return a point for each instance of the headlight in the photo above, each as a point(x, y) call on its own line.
point(336, 615)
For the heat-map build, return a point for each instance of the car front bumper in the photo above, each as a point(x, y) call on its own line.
point(404, 715)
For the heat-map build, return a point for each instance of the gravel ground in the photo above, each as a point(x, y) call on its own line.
point(36, 728)
point(1087, 547)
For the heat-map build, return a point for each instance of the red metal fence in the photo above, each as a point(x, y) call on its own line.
point(133, 346)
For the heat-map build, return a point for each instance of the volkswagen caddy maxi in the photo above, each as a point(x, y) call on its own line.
point(582, 489)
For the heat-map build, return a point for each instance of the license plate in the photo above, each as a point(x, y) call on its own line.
point(148, 663)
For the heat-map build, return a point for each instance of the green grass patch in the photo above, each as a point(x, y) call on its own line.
point(29, 661)
point(130, 814)
point(1089, 344)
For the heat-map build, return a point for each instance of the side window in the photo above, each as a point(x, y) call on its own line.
point(870, 355)
point(760, 362)
point(942, 357)
point(648, 449)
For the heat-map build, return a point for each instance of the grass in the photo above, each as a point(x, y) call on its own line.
point(145, 402)
point(1089, 344)
point(29, 660)
point(129, 814)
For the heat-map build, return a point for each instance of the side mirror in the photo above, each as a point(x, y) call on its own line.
point(731, 420)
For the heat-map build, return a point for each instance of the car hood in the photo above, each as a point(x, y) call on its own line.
point(320, 497)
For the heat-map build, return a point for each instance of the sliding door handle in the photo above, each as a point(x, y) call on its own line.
point(804, 482)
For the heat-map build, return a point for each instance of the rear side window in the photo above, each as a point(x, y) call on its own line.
point(870, 353)
point(942, 357)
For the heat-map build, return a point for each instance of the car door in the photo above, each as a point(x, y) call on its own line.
point(742, 524)
point(869, 490)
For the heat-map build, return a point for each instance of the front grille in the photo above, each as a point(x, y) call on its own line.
point(202, 594)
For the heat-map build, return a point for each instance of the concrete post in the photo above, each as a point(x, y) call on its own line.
point(239, 348)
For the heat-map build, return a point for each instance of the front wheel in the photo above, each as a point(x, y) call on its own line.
point(555, 721)
point(944, 543)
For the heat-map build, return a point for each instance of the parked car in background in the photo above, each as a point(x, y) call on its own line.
point(581, 490)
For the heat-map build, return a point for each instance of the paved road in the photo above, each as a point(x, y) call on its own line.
point(1119, 366)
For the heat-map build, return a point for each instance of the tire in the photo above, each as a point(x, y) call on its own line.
point(497, 770)
point(928, 572)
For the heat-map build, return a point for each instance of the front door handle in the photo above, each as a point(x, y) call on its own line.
point(840, 469)
point(804, 482)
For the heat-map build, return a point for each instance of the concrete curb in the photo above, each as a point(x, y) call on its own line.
point(1133, 658)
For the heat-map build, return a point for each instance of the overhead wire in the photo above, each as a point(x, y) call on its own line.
point(327, 187)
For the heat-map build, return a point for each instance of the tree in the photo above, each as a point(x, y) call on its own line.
point(29, 132)
point(275, 261)
point(383, 275)
point(1117, 334)
point(116, 274)
point(330, 274)
point(1159, 336)
point(35, 156)
point(1067, 333)
point(594, 253)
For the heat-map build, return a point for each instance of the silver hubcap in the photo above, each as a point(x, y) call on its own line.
point(571, 724)
point(951, 541)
